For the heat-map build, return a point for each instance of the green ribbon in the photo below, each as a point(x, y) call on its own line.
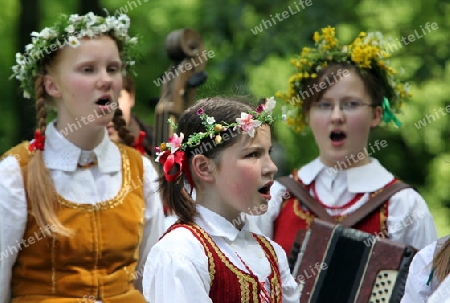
point(430, 277)
point(388, 114)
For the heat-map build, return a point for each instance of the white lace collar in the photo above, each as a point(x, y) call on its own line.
point(61, 154)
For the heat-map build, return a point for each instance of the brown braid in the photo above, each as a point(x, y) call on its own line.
point(441, 262)
point(40, 187)
point(121, 127)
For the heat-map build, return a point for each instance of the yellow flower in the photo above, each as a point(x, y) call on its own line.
point(290, 121)
point(305, 51)
point(162, 147)
point(218, 139)
point(218, 127)
point(316, 37)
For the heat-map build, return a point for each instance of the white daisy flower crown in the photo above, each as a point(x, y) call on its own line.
point(68, 30)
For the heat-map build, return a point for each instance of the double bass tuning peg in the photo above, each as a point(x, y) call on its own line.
point(183, 43)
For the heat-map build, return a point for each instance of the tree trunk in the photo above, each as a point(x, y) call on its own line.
point(86, 6)
point(25, 108)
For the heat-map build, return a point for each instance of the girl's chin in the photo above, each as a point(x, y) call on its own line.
point(346, 161)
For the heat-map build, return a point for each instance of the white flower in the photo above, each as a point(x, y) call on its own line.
point(90, 19)
point(124, 19)
point(46, 33)
point(89, 32)
point(210, 120)
point(26, 94)
point(110, 22)
point(19, 58)
point(28, 47)
point(103, 28)
point(130, 63)
point(270, 104)
point(96, 30)
point(35, 34)
point(70, 29)
point(121, 30)
point(74, 42)
point(16, 69)
point(133, 40)
point(74, 18)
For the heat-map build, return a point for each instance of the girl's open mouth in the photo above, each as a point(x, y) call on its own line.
point(265, 190)
point(337, 138)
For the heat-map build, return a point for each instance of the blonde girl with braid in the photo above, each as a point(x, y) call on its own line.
point(78, 211)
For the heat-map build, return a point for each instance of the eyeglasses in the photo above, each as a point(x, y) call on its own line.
point(346, 106)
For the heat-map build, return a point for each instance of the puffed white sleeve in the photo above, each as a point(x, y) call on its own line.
point(177, 270)
point(153, 217)
point(418, 287)
point(265, 221)
point(13, 219)
point(409, 220)
point(291, 290)
point(442, 293)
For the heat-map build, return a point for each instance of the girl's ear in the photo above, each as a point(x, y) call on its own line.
point(377, 114)
point(51, 87)
point(203, 168)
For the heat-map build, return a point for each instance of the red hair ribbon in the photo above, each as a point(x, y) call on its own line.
point(38, 142)
point(169, 160)
point(139, 143)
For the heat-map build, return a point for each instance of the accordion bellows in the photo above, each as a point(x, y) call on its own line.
point(336, 264)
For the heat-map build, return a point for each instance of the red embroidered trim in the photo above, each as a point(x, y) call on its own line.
point(346, 205)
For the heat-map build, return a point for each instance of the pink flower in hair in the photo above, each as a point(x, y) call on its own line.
point(247, 124)
point(260, 108)
point(175, 142)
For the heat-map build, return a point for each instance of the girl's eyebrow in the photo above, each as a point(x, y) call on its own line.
point(257, 148)
point(348, 97)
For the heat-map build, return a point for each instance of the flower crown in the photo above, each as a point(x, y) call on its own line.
point(172, 152)
point(68, 30)
point(367, 51)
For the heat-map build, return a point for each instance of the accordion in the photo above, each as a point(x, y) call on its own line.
point(336, 264)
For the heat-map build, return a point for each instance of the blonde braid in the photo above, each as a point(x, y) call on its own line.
point(441, 262)
point(121, 127)
point(40, 187)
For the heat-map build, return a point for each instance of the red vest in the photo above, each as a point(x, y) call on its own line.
point(294, 216)
point(230, 284)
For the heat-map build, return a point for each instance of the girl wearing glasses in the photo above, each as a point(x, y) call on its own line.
point(342, 92)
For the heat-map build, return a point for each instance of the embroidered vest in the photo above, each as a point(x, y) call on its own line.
point(294, 216)
point(230, 284)
point(98, 262)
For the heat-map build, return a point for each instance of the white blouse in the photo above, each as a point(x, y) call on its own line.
point(409, 219)
point(177, 267)
point(416, 289)
point(89, 186)
point(442, 293)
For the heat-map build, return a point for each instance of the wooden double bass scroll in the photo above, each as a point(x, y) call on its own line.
point(181, 80)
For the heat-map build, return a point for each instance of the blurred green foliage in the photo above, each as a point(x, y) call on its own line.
point(259, 63)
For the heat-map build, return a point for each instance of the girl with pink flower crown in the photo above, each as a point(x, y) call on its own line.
point(343, 92)
point(77, 211)
point(212, 253)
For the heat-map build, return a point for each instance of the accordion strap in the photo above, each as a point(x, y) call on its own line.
point(301, 193)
